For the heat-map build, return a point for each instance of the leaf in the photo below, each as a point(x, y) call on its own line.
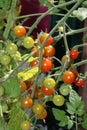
point(3, 124)
point(70, 109)
point(84, 4)
point(81, 13)
point(16, 117)
point(60, 116)
point(84, 123)
point(12, 88)
point(46, 3)
point(70, 123)
point(75, 105)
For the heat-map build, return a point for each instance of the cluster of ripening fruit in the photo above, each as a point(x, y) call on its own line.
point(47, 88)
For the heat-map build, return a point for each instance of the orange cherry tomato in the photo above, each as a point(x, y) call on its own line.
point(49, 51)
point(68, 77)
point(26, 102)
point(44, 36)
point(19, 31)
point(23, 86)
point(43, 115)
point(33, 63)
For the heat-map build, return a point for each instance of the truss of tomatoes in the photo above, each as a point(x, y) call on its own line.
point(34, 95)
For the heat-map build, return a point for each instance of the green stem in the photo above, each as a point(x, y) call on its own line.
point(76, 122)
point(79, 63)
point(10, 19)
point(72, 32)
point(46, 13)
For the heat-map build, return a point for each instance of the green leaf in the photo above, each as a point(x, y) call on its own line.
point(84, 4)
point(70, 108)
point(75, 105)
point(70, 123)
point(84, 123)
point(3, 124)
point(15, 118)
point(81, 13)
point(60, 115)
point(12, 88)
point(46, 3)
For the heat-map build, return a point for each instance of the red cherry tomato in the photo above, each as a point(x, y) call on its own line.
point(79, 82)
point(33, 63)
point(49, 51)
point(47, 91)
point(46, 65)
point(19, 31)
point(68, 77)
point(74, 54)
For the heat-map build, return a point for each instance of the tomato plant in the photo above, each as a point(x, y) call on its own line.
point(19, 31)
point(39, 65)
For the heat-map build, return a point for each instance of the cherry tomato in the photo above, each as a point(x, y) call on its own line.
point(37, 53)
point(74, 71)
point(28, 42)
point(47, 91)
point(49, 82)
point(37, 108)
point(74, 54)
point(64, 58)
point(46, 65)
point(68, 77)
point(58, 100)
point(44, 36)
point(25, 125)
point(79, 82)
point(38, 94)
point(19, 31)
point(11, 48)
point(23, 86)
point(65, 89)
point(5, 59)
point(49, 51)
point(33, 63)
point(26, 102)
point(43, 115)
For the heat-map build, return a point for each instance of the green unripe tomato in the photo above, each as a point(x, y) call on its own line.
point(28, 42)
point(65, 89)
point(58, 100)
point(4, 107)
point(5, 59)
point(49, 82)
point(11, 48)
point(1, 91)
